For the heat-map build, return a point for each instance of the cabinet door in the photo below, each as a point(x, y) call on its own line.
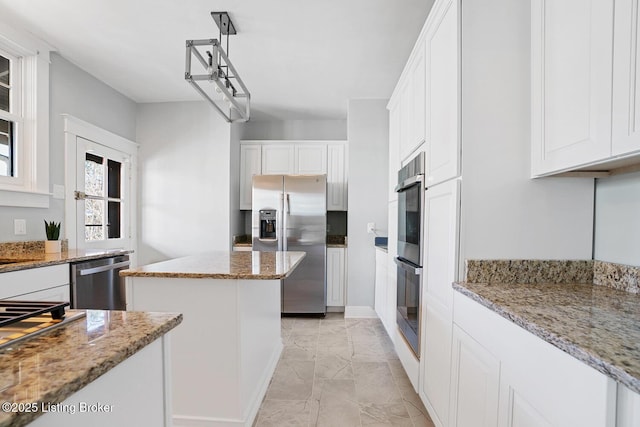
point(626, 76)
point(475, 381)
point(571, 77)
point(250, 164)
point(405, 119)
point(16, 283)
point(335, 277)
point(394, 149)
point(59, 293)
point(417, 93)
point(380, 302)
point(440, 269)
point(442, 99)
point(628, 407)
point(278, 159)
point(310, 159)
point(337, 177)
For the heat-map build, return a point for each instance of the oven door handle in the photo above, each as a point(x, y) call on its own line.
point(408, 267)
point(409, 182)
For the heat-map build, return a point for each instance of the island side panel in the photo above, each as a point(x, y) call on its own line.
point(225, 351)
point(132, 393)
point(261, 339)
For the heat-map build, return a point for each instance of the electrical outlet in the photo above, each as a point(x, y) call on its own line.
point(19, 227)
point(371, 226)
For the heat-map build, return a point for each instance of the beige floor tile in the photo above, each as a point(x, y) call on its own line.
point(374, 383)
point(292, 380)
point(379, 415)
point(422, 421)
point(283, 413)
point(300, 347)
point(334, 367)
point(337, 405)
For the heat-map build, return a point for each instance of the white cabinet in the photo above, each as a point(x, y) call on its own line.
point(394, 148)
point(42, 283)
point(626, 76)
point(441, 209)
point(539, 384)
point(628, 408)
point(337, 160)
point(571, 78)
point(475, 382)
point(250, 164)
point(310, 159)
point(336, 276)
point(278, 159)
point(412, 104)
point(292, 158)
point(442, 94)
point(380, 302)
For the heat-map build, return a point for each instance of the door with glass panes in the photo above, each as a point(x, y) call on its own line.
point(102, 196)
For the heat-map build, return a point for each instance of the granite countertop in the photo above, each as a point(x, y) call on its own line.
point(50, 367)
point(224, 265)
point(575, 307)
point(23, 261)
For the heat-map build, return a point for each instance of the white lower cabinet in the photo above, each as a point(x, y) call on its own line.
point(336, 276)
point(628, 408)
point(42, 283)
point(539, 384)
point(475, 381)
point(380, 302)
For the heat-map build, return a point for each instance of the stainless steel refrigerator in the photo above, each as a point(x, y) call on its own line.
point(290, 214)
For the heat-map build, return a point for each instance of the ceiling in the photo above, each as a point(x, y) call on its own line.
point(300, 59)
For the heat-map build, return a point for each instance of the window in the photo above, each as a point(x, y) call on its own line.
point(103, 201)
point(24, 119)
point(10, 114)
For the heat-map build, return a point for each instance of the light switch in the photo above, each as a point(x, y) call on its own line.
point(19, 226)
point(371, 227)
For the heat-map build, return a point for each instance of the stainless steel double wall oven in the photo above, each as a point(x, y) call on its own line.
point(410, 191)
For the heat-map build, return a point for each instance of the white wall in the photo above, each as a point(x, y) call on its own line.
point(617, 219)
point(72, 91)
point(184, 170)
point(504, 213)
point(295, 129)
point(368, 124)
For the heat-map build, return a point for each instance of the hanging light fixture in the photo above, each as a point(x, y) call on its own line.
point(227, 93)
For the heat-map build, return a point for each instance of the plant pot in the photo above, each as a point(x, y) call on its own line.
point(52, 246)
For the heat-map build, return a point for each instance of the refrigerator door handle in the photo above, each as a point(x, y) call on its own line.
point(288, 205)
point(285, 222)
point(280, 231)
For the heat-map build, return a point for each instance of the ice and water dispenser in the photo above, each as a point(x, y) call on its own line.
point(268, 224)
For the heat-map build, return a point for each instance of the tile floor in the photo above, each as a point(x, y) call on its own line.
point(339, 372)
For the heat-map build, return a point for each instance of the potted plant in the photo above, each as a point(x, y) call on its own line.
point(52, 245)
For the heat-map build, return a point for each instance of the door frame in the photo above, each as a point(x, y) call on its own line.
point(74, 128)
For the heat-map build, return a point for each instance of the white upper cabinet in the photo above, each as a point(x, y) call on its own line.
point(571, 77)
point(626, 76)
point(250, 164)
point(310, 159)
point(278, 159)
point(442, 95)
point(337, 177)
point(394, 148)
point(292, 158)
point(417, 95)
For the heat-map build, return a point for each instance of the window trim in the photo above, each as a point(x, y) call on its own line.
point(31, 187)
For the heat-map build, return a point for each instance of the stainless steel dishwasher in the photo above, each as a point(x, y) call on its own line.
point(97, 283)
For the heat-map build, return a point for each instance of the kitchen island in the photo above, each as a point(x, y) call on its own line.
point(224, 354)
point(106, 368)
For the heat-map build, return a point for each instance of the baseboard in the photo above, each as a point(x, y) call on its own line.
point(254, 406)
point(360, 312)
point(335, 309)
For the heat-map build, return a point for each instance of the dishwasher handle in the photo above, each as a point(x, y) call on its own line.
point(102, 268)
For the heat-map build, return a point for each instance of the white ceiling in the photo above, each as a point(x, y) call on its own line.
point(300, 59)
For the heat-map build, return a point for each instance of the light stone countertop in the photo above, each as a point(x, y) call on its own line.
point(223, 265)
point(28, 260)
point(50, 367)
point(598, 325)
